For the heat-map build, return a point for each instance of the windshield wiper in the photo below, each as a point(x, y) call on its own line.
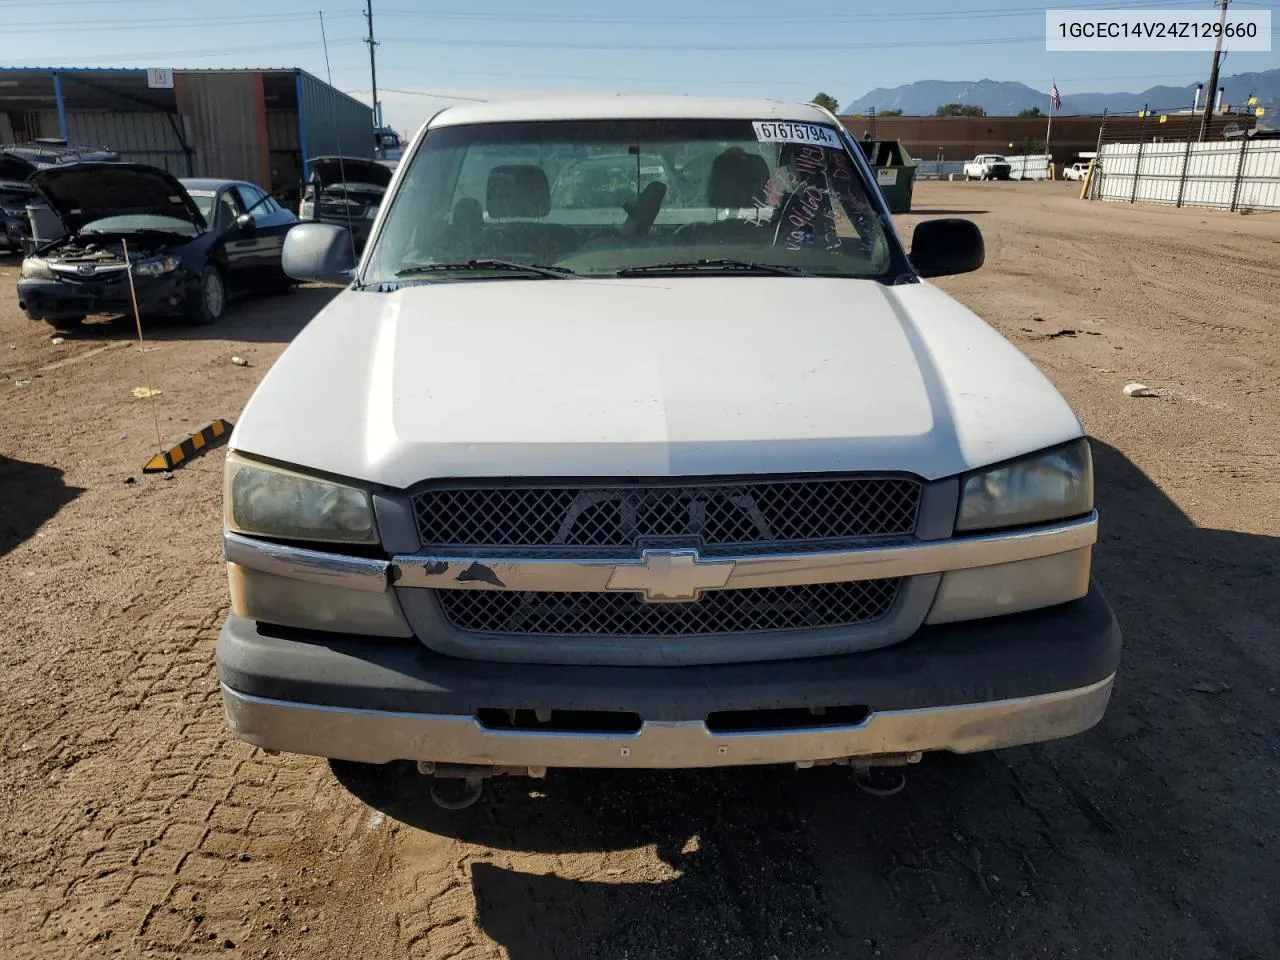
point(711, 265)
point(486, 263)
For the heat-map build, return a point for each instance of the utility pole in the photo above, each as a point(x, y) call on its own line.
point(373, 71)
point(1213, 74)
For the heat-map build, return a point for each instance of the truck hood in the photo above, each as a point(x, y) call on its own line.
point(80, 193)
point(329, 170)
point(649, 378)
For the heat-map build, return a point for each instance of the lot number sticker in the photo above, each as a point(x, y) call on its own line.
point(886, 178)
point(776, 131)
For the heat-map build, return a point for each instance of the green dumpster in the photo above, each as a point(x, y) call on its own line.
point(895, 171)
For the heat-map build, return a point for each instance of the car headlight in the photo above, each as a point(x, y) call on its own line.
point(33, 268)
point(1050, 485)
point(154, 268)
point(265, 501)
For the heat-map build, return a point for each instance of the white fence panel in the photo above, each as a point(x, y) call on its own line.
point(1219, 174)
point(1029, 167)
point(939, 169)
point(1260, 177)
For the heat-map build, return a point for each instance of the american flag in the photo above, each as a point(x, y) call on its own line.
point(1054, 97)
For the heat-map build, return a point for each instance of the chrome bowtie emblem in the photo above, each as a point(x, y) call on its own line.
point(87, 270)
point(667, 575)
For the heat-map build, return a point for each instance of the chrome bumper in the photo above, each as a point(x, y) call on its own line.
point(373, 736)
point(447, 572)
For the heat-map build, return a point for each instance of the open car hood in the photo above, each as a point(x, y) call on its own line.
point(80, 193)
point(328, 170)
point(13, 167)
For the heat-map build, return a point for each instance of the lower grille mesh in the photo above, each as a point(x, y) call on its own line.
point(751, 610)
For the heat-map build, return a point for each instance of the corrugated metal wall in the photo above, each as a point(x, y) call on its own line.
point(333, 122)
point(282, 129)
point(286, 153)
point(221, 116)
point(136, 137)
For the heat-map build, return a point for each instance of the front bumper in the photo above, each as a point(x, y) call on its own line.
point(965, 687)
point(60, 299)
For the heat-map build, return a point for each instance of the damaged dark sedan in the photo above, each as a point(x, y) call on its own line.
point(182, 266)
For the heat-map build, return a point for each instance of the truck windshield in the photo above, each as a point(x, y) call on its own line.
point(599, 197)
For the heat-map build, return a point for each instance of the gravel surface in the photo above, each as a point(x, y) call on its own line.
point(130, 824)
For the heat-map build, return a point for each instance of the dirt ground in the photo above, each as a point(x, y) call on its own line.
point(131, 825)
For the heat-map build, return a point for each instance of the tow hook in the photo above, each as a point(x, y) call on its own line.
point(472, 776)
point(881, 775)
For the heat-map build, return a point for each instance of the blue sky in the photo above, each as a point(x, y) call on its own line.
point(463, 48)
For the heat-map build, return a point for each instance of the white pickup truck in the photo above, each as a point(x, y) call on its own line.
point(1076, 171)
point(713, 476)
point(988, 166)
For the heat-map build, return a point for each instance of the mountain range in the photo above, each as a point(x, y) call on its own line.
point(1000, 98)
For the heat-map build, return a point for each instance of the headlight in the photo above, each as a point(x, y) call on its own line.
point(265, 501)
point(154, 268)
point(1051, 485)
point(33, 268)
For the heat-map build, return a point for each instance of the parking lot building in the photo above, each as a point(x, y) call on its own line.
point(255, 125)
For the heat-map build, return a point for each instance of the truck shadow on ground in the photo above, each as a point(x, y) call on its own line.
point(30, 495)
point(1153, 835)
point(256, 318)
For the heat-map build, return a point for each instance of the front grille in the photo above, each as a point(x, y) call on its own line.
point(340, 211)
point(618, 518)
point(749, 610)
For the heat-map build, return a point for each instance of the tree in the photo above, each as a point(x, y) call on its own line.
point(1030, 112)
point(959, 110)
point(889, 113)
point(823, 100)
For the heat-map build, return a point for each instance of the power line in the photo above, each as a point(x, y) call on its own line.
point(173, 56)
point(140, 23)
point(119, 25)
point(893, 17)
point(703, 47)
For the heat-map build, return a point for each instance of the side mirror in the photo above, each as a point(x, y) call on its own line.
point(320, 252)
point(245, 223)
point(942, 248)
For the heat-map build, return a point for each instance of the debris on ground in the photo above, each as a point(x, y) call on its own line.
point(142, 393)
point(240, 361)
point(57, 340)
point(1210, 686)
point(22, 383)
point(1139, 390)
point(1061, 333)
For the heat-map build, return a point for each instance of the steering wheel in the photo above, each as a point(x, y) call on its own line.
point(644, 212)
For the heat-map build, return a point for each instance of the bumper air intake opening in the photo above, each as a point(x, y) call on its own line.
point(787, 718)
point(560, 721)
